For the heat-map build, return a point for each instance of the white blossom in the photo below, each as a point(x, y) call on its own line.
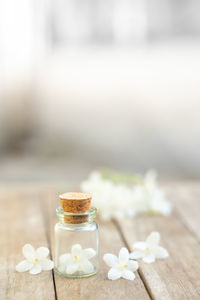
point(77, 260)
point(35, 260)
point(150, 198)
point(121, 266)
point(149, 250)
point(118, 200)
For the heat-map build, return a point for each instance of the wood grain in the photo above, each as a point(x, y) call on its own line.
point(21, 222)
point(97, 287)
point(175, 277)
point(27, 215)
point(186, 199)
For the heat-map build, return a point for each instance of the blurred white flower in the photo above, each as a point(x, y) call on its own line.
point(36, 260)
point(116, 199)
point(150, 198)
point(121, 266)
point(149, 250)
point(77, 260)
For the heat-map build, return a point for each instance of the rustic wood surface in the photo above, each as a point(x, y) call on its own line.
point(27, 215)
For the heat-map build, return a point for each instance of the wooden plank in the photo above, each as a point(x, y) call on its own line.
point(186, 200)
point(21, 222)
point(176, 277)
point(97, 287)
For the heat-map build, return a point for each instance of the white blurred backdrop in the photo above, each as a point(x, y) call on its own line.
point(89, 83)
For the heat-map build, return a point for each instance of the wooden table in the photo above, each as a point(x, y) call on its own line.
point(27, 215)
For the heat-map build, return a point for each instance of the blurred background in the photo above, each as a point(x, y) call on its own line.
point(90, 83)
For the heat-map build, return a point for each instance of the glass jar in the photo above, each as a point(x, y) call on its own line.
point(76, 244)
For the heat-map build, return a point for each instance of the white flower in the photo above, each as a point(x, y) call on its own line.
point(121, 266)
point(36, 260)
point(112, 200)
point(149, 250)
point(77, 260)
point(118, 200)
point(150, 198)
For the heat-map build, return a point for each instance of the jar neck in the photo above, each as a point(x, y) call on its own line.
point(76, 218)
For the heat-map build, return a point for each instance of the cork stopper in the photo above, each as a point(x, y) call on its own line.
point(75, 203)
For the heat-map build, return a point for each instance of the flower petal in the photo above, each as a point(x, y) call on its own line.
point(137, 254)
point(123, 255)
point(86, 266)
point(133, 265)
point(62, 268)
point(36, 269)
point(66, 258)
point(89, 253)
point(161, 252)
point(127, 274)
point(114, 274)
point(42, 252)
point(28, 252)
point(72, 268)
point(140, 245)
point(110, 259)
point(153, 239)
point(150, 258)
point(46, 264)
point(24, 266)
point(76, 250)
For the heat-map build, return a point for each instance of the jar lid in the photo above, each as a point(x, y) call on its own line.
point(75, 202)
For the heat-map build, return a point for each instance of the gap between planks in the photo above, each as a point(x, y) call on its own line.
point(129, 249)
point(47, 230)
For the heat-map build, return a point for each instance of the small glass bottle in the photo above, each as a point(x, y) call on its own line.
point(76, 237)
